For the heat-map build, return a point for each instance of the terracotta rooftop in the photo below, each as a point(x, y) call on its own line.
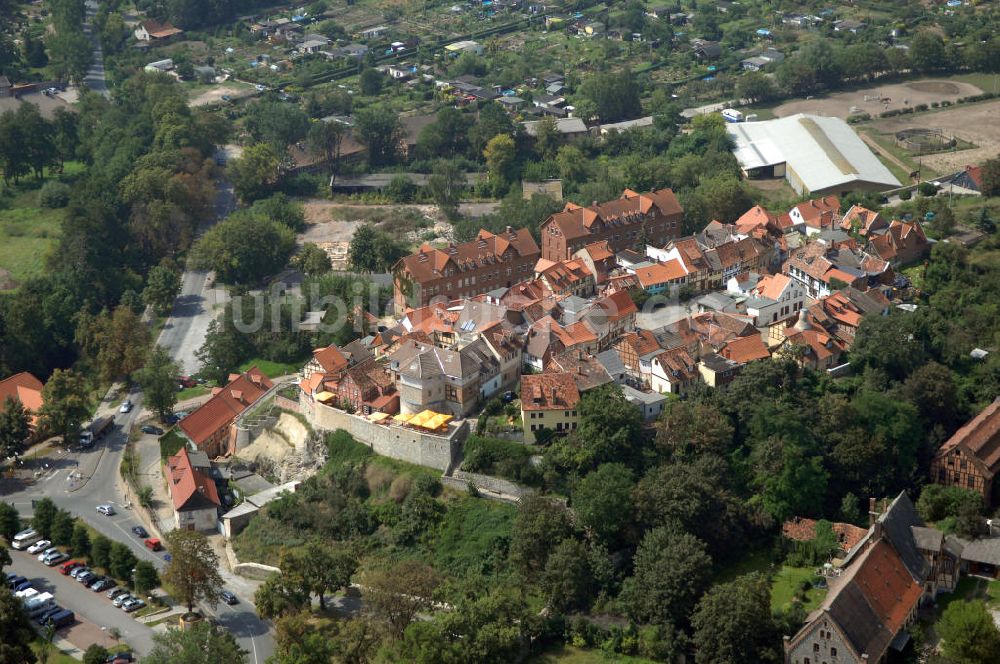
point(548, 391)
point(330, 359)
point(980, 437)
point(575, 221)
point(486, 250)
point(160, 30)
point(660, 273)
point(25, 388)
point(746, 349)
point(227, 403)
point(190, 489)
point(814, 210)
point(755, 217)
point(772, 286)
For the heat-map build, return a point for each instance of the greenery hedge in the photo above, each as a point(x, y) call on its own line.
point(493, 456)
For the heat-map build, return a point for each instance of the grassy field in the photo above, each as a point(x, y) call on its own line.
point(787, 581)
point(192, 392)
point(56, 656)
point(27, 231)
point(170, 443)
point(273, 369)
point(469, 533)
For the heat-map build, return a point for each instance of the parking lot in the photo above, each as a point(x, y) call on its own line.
point(95, 614)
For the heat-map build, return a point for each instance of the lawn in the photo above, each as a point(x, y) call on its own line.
point(27, 231)
point(192, 392)
point(787, 582)
point(170, 443)
point(753, 561)
point(572, 655)
point(472, 530)
point(273, 369)
point(56, 656)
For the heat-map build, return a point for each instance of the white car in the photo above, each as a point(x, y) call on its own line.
point(51, 551)
point(126, 406)
point(39, 546)
point(55, 559)
point(106, 510)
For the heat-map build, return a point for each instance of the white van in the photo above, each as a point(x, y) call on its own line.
point(25, 538)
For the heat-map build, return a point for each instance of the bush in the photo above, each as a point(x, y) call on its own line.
point(927, 189)
point(492, 456)
point(905, 195)
point(400, 189)
point(53, 195)
point(920, 108)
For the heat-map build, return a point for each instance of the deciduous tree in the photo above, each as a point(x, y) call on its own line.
point(64, 403)
point(15, 647)
point(395, 594)
point(541, 523)
point(378, 127)
point(15, 427)
point(672, 569)
point(603, 500)
point(162, 286)
point(158, 379)
point(256, 172)
point(192, 575)
point(733, 625)
point(201, 644)
point(968, 632)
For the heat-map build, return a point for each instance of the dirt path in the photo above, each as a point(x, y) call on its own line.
point(877, 149)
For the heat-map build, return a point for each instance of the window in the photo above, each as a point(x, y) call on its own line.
point(833, 652)
point(816, 645)
point(972, 481)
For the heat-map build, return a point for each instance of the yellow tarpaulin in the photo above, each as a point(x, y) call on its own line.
point(378, 416)
point(402, 417)
point(439, 420)
point(325, 396)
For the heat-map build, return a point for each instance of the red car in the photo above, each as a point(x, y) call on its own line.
point(186, 381)
point(153, 544)
point(66, 568)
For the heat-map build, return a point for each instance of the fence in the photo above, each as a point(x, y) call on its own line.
point(488, 486)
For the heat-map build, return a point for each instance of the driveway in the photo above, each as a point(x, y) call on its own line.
point(95, 75)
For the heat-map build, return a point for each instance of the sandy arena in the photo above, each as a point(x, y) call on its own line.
point(900, 95)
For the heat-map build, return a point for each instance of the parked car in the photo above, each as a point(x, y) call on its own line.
point(77, 571)
point(44, 618)
point(89, 583)
point(116, 592)
point(228, 597)
point(53, 560)
point(13, 579)
point(120, 658)
point(39, 546)
point(21, 585)
point(26, 594)
point(153, 544)
point(121, 599)
point(103, 584)
point(85, 577)
point(66, 568)
point(133, 604)
point(126, 406)
point(106, 510)
point(59, 619)
point(186, 381)
point(51, 551)
point(139, 531)
point(150, 429)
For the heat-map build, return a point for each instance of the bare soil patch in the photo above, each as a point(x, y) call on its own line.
point(878, 99)
point(976, 123)
point(215, 95)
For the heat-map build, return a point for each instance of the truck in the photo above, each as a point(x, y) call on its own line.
point(732, 115)
point(38, 603)
point(95, 431)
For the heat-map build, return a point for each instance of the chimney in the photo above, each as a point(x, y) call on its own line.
point(872, 511)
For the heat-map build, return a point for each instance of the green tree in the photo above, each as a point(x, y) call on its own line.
point(755, 87)
point(615, 95)
point(64, 404)
point(312, 260)
point(608, 431)
point(117, 341)
point(62, 528)
point(500, 153)
point(300, 640)
point(122, 561)
point(162, 287)
point(372, 250)
point(379, 129)
point(276, 123)
point(44, 517)
point(567, 581)
point(80, 541)
point(327, 138)
point(18, 635)
point(10, 521)
point(146, 577)
point(15, 427)
point(603, 500)
point(256, 172)
point(927, 51)
point(968, 632)
point(396, 610)
point(539, 525)
point(244, 248)
point(192, 575)
point(370, 81)
point(100, 552)
point(672, 569)
point(280, 595)
point(990, 174)
point(447, 137)
point(318, 569)
point(547, 137)
point(445, 186)
point(158, 379)
point(203, 643)
point(733, 625)
point(4, 557)
point(95, 654)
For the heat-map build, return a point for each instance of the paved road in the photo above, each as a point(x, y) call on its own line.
point(95, 75)
point(198, 303)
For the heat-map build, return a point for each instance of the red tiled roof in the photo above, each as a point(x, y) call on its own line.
point(160, 30)
point(599, 251)
point(618, 305)
point(330, 359)
point(746, 349)
point(753, 218)
point(25, 388)
point(980, 437)
point(814, 210)
point(975, 174)
point(575, 221)
point(487, 249)
point(660, 273)
point(887, 585)
point(190, 489)
point(225, 405)
point(772, 286)
point(549, 391)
